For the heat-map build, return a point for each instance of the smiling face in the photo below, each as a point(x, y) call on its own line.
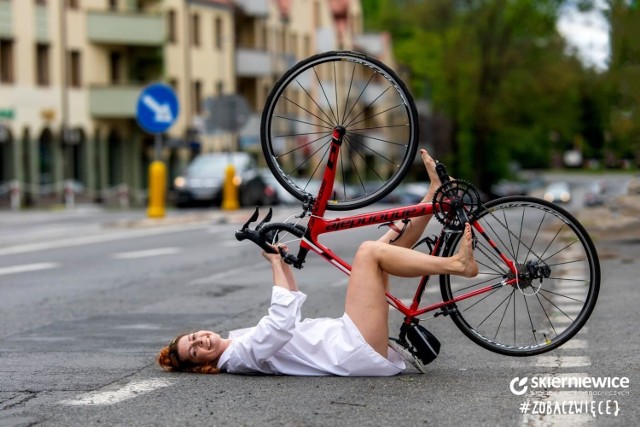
point(200, 347)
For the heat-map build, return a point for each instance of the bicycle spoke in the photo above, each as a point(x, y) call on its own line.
point(382, 127)
point(353, 71)
point(378, 139)
point(363, 158)
point(335, 86)
point(526, 258)
point(376, 114)
point(323, 132)
point(373, 151)
point(309, 158)
point(329, 125)
point(325, 95)
point(314, 101)
point(556, 307)
point(368, 106)
point(302, 146)
point(301, 121)
point(561, 295)
point(359, 96)
point(482, 299)
point(508, 297)
point(503, 314)
point(546, 314)
point(533, 329)
point(484, 282)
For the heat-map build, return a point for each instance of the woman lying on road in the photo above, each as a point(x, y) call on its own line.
point(354, 344)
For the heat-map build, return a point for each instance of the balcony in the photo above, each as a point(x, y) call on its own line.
point(253, 63)
point(114, 101)
point(6, 18)
point(137, 29)
point(258, 8)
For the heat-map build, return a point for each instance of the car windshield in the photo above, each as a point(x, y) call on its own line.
point(215, 165)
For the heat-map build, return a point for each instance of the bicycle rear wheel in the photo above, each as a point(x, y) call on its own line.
point(340, 89)
point(558, 280)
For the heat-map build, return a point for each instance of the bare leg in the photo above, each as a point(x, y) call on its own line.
point(366, 302)
point(416, 227)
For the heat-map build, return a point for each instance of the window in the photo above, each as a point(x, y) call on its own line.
point(115, 65)
point(197, 96)
point(218, 33)
point(195, 28)
point(171, 18)
point(41, 2)
point(72, 4)
point(75, 77)
point(219, 88)
point(113, 4)
point(42, 64)
point(6, 61)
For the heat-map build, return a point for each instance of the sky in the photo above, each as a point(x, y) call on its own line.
point(588, 33)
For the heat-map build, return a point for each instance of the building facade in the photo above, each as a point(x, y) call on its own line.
point(71, 72)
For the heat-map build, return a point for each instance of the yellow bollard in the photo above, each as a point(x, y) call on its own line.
point(157, 189)
point(230, 190)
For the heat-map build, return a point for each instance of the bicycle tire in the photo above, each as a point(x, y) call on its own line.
point(552, 309)
point(372, 158)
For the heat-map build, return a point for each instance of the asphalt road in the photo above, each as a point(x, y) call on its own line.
point(88, 297)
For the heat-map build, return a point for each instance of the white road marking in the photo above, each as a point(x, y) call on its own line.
point(562, 361)
point(214, 277)
point(575, 343)
point(111, 397)
point(28, 267)
point(146, 253)
point(87, 240)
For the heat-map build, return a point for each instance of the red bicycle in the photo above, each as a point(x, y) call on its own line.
point(348, 116)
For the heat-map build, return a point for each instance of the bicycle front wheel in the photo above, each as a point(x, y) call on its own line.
point(345, 89)
point(557, 283)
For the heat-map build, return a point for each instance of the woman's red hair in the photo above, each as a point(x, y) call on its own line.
point(169, 360)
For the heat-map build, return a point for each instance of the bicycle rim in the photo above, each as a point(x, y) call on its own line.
point(539, 313)
point(350, 90)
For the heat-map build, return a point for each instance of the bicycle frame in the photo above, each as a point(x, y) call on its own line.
point(318, 225)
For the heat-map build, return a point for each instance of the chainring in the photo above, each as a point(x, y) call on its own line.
point(455, 202)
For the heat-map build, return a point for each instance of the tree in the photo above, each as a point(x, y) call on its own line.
point(624, 80)
point(497, 69)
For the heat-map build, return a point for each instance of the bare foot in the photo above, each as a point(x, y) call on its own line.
point(430, 165)
point(469, 267)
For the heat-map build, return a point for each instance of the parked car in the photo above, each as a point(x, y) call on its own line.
point(594, 194)
point(203, 181)
point(558, 192)
point(282, 196)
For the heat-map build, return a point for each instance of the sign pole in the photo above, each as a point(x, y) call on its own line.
point(157, 110)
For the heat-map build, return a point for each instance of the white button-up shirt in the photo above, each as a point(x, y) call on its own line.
point(282, 344)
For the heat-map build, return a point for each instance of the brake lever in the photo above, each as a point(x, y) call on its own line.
point(265, 220)
point(253, 218)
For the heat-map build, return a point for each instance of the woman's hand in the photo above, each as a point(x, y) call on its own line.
point(274, 257)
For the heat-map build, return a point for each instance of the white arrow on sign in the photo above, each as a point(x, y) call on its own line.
point(162, 112)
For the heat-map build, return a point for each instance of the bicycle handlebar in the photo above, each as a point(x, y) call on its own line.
point(257, 238)
point(264, 233)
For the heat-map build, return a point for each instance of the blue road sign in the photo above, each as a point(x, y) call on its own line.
point(157, 108)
